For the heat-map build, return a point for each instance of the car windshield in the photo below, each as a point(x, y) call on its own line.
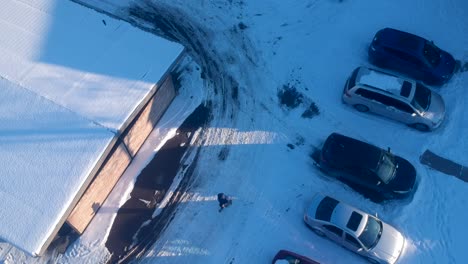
point(386, 168)
point(422, 98)
point(372, 232)
point(432, 53)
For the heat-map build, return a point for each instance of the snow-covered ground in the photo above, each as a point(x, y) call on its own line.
point(312, 46)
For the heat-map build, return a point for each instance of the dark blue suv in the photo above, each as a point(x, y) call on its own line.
point(411, 55)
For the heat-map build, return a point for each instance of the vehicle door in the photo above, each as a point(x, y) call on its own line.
point(374, 100)
point(399, 110)
point(403, 112)
point(368, 179)
point(406, 63)
point(341, 174)
point(351, 243)
point(334, 233)
point(416, 66)
point(362, 179)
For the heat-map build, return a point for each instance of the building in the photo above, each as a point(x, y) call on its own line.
point(80, 92)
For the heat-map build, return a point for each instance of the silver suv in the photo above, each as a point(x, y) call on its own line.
point(401, 99)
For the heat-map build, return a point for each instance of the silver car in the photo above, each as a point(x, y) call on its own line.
point(355, 230)
point(401, 99)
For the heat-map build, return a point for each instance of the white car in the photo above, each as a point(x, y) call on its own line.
point(354, 229)
point(398, 98)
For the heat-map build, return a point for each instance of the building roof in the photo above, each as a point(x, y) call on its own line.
point(70, 78)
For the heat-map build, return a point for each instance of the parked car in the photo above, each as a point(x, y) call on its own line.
point(370, 170)
point(288, 257)
point(398, 98)
point(354, 229)
point(412, 55)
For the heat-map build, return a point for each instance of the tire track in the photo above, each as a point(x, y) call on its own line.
point(222, 88)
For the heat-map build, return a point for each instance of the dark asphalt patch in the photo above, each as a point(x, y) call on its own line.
point(463, 67)
point(311, 111)
point(444, 165)
point(290, 97)
point(155, 178)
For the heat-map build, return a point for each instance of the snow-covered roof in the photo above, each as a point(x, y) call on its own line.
point(70, 77)
point(381, 80)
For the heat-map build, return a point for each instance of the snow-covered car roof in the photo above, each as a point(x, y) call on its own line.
point(70, 78)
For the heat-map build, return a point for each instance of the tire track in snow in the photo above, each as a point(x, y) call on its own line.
point(222, 87)
point(224, 55)
point(200, 40)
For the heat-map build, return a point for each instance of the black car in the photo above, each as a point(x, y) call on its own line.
point(376, 173)
point(411, 55)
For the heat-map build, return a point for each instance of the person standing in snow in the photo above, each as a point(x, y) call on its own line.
point(224, 201)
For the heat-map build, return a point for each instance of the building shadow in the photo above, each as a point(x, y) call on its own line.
point(155, 178)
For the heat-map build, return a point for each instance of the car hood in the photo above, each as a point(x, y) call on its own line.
point(436, 111)
point(390, 245)
point(447, 65)
point(405, 177)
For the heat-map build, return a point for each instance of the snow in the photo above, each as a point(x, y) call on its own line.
point(317, 43)
point(382, 81)
point(313, 46)
point(46, 155)
point(100, 67)
point(90, 247)
point(70, 77)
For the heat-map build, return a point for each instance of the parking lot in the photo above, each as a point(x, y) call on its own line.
point(268, 169)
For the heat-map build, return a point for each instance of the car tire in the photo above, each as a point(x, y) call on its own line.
point(373, 261)
point(420, 127)
point(318, 232)
point(361, 108)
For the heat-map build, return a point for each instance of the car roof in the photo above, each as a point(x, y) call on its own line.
point(342, 151)
point(400, 40)
point(342, 215)
point(382, 81)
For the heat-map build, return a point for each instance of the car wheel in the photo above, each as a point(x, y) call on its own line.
point(421, 127)
point(318, 232)
point(361, 108)
point(373, 261)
